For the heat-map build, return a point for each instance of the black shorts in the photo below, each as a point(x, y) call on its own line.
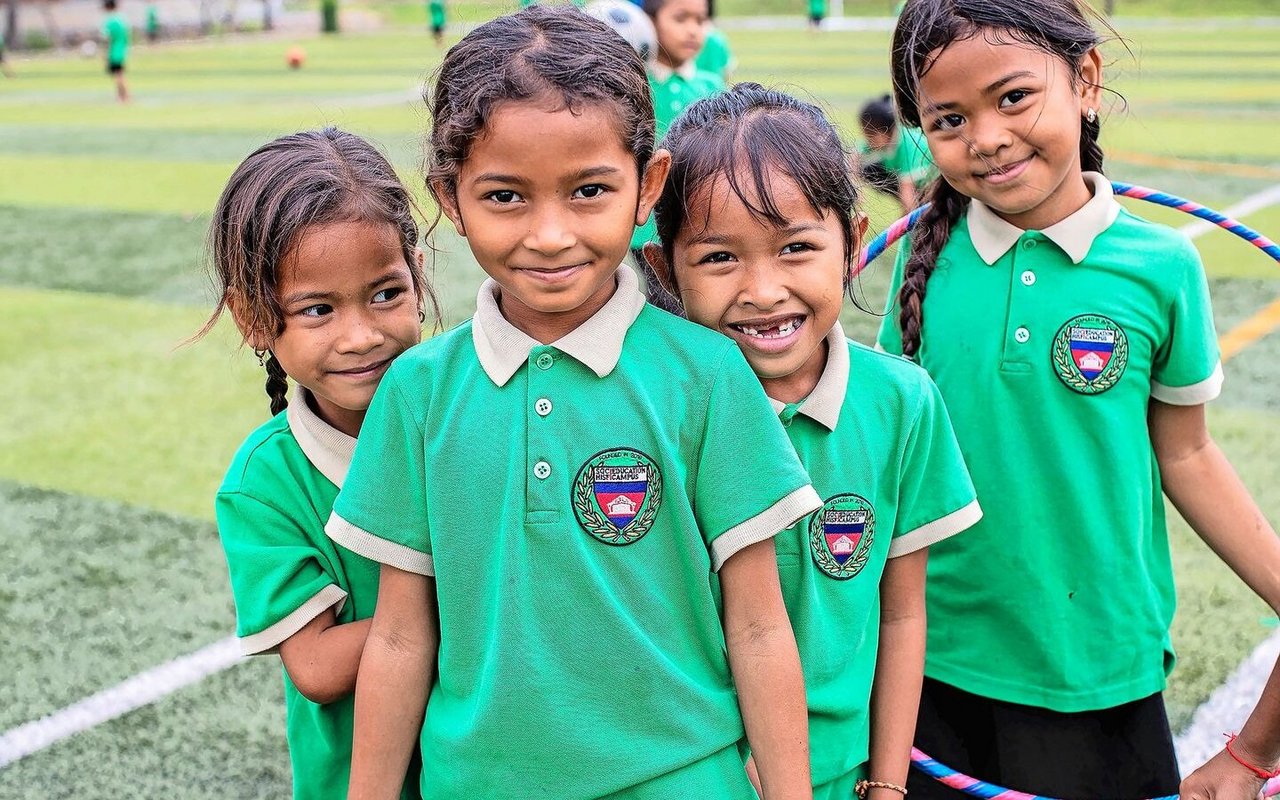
point(815, 18)
point(115, 67)
point(1120, 753)
point(437, 29)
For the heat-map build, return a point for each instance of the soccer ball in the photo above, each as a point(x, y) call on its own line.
point(88, 48)
point(630, 22)
point(295, 56)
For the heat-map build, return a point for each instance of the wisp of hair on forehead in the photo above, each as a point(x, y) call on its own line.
point(538, 54)
point(747, 136)
point(284, 187)
point(1059, 28)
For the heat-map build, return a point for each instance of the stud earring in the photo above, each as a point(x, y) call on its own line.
point(1091, 116)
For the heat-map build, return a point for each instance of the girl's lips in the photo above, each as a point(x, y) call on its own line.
point(772, 344)
point(553, 275)
point(364, 373)
point(1007, 173)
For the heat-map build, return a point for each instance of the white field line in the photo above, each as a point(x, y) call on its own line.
point(140, 690)
point(1250, 205)
point(1228, 707)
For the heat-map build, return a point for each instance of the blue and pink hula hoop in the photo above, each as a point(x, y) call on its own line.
point(896, 231)
point(989, 791)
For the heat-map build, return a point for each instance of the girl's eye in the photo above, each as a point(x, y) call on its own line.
point(591, 190)
point(319, 310)
point(387, 295)
point(796, 247)
point(1013, 98)
point(502, 196)
point(948, 122)
point(718, 257)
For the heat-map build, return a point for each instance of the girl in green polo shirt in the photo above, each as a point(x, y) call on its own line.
point(758, 226)
point(573, 494)
point(315, 250)
point(1074, 344)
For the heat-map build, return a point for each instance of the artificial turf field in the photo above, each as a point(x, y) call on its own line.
point(116, 433)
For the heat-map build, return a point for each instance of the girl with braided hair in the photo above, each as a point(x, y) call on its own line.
point(1074, 345)
point(314, 250)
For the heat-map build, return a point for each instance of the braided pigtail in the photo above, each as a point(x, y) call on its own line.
point(927, 240)
point(277, 384)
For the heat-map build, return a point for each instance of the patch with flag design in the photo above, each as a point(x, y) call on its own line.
point(841, 534)
point(616, 495)
point(1090, 353)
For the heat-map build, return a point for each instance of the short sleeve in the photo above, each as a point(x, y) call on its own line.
point(381, 512)
point(936, 497)
point(277, 579)
point(749, 483)
point(1187, 370)
point(890, 337)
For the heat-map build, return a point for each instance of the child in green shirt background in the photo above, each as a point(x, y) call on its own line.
point(116, 31)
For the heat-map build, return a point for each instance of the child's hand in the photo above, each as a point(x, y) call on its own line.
point(1221, 778)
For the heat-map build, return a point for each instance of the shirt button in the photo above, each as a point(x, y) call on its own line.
point(542, 470)
point(542, 406)
point(545, 361)
point(1028, 278)
point(1029, 244)
point(1022, 335)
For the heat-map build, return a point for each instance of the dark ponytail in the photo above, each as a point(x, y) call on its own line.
point(930, 235)
point(277, 385)
point(1090, 150)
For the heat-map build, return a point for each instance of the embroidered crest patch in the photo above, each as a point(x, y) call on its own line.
point(616, 495)
point(840, 535)
point(1090, 353)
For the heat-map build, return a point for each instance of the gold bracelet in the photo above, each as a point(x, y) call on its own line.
point(861, 787)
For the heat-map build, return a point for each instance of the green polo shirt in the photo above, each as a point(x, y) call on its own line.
point(716, 57)
point(116, 32)
point(285, 572)
point(1048, 347)
point(875, 437)
point(573, 502)
point(908, 157)
point(673, 92)
point(436, 8)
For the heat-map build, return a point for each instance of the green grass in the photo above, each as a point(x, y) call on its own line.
point(102, 212)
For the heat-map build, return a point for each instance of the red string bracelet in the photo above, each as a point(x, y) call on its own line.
point(1261, 773)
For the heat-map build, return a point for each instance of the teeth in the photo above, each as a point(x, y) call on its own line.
point(781, 331)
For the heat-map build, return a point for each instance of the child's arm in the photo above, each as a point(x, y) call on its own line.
point(895, 694)
point(766, 670)
point(396, 672)
point(322, 658)
point(1222, 777)
point(1200, 482)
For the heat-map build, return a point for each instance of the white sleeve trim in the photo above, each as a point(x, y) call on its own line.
point(764, 525)
point(360, 541)
point(268, 641)
point(1193, 395)
point(933, 532)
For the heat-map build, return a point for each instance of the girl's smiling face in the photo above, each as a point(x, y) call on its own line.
point(349, 308)
point(547, 199)
point(1003, 123)
point(776, 290)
